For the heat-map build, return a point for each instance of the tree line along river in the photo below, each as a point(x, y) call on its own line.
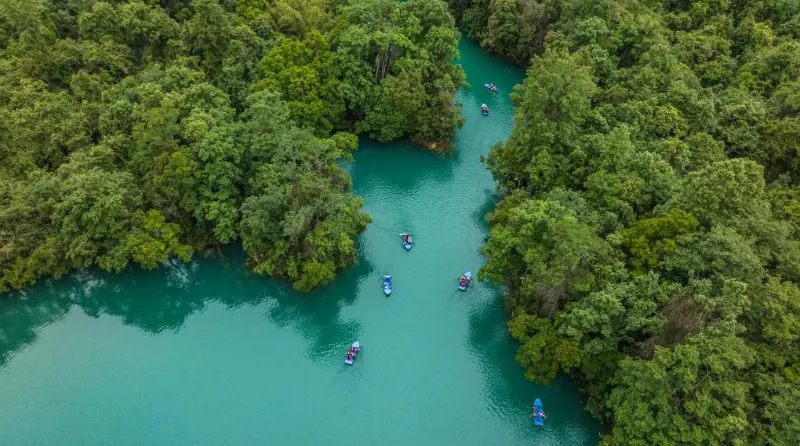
point(205, 353)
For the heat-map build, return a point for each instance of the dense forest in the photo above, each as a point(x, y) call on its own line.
point(649, 228)
point(135, 131)
point(648, 231)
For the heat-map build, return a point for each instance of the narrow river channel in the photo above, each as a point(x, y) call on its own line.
point(207, 354)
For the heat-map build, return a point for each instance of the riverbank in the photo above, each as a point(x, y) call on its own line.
point(206, 353)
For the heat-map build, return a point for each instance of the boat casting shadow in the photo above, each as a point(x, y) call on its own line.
point(506, 389)
point(317, 316)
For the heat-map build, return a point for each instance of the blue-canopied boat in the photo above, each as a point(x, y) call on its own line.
point(538, 413)
point(406, 240)
point(355, 349)
point(492, 88)
point(464, 281)
point(387, 284)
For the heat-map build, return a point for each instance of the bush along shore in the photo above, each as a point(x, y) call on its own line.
point(648, 233)
point(138, 131)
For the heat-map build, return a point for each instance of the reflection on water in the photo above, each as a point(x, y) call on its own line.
point(316, 316)
point(21, 318)
point(405, 167)
point(161, 301)
point(221, 356)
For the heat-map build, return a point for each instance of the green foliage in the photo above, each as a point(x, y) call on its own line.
point(652, 238)
point(400, 77)
point(722, 191)
point(303, 71)
point(544, 245)
point(542, 353)
point(154, 240)
point(299, 220)
point(555, 101)
point(648, 233)
point(139, 131)
point(512, 28)
point(694, 394)
point(619, 317)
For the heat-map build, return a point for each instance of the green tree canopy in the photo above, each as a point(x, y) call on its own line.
point(136, 131)
point(648, 231)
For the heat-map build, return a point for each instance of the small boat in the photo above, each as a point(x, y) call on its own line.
point(484, 110)
point(467, 279)
point(355, 349)
point(491, 88)
point(538, 413)
point(387, 284)
point(407, 242)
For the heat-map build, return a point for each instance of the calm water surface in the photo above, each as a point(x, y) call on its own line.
point(205, 353)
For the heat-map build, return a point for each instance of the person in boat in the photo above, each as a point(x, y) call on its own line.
point(463, 281)
point(538, 411)
point(492, 87)
point(484, 107)
point(406, 238)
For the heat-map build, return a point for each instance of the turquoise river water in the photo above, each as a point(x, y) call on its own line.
point(207, 354)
